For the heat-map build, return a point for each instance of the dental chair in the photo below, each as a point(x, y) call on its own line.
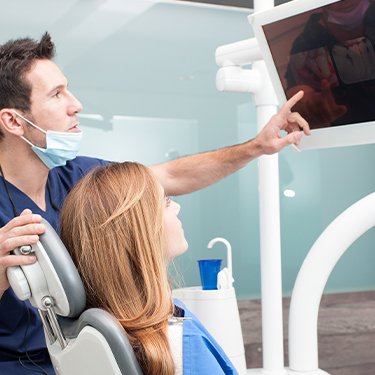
point(79, 342)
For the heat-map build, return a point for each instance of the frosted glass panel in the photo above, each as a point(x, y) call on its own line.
point(161, 139)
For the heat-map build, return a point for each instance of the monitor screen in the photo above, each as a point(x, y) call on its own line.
point(326, 49)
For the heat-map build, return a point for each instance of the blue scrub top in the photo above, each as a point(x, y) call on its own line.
point(13, 313)
point(201, 354)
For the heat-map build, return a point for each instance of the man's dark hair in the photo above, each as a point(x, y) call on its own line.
point(16, 59)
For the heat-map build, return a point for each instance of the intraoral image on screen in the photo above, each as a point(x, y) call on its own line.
point(329, 53)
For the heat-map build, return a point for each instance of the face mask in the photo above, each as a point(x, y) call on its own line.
point(348, 21)
point(61, 147)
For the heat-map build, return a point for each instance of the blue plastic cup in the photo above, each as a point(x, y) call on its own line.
point(208, 270)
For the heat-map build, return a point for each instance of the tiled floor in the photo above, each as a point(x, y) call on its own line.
point(346, 333)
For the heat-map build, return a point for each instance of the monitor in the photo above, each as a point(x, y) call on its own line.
point(325, 48)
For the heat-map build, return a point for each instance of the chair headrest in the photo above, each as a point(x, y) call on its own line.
point(53, 274)
point(65, 270)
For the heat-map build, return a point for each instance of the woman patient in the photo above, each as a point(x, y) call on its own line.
point(122, 231)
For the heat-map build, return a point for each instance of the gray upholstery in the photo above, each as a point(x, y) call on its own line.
point(65, 269)
point(109, 327)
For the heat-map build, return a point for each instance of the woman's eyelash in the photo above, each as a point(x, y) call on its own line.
point(167, 201)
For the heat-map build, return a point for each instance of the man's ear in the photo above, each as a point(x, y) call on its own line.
point(10, 122)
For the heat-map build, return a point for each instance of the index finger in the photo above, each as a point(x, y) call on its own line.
point(285, 109)
point(22, 220)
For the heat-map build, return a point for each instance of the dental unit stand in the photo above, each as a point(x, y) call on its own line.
point(218, 311)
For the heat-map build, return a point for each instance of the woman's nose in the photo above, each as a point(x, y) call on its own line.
point(176, 207)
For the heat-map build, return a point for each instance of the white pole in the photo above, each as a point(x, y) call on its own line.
point(272, 318)
point(270, 246)
point(261, 5)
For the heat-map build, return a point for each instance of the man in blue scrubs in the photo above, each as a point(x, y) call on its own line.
point(39, 140)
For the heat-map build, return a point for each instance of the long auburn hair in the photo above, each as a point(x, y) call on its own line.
point(112, 226)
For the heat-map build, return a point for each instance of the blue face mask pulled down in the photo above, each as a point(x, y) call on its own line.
point(61, 147)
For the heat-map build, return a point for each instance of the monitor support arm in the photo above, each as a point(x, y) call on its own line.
point(230, 58)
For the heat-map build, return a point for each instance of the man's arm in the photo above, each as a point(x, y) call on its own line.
point(192, 173)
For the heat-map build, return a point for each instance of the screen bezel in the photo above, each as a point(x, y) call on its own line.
point(338, 136)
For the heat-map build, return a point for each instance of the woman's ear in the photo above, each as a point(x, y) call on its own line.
point(9, 122)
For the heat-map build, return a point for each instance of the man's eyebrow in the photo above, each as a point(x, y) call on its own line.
point(58, 87)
